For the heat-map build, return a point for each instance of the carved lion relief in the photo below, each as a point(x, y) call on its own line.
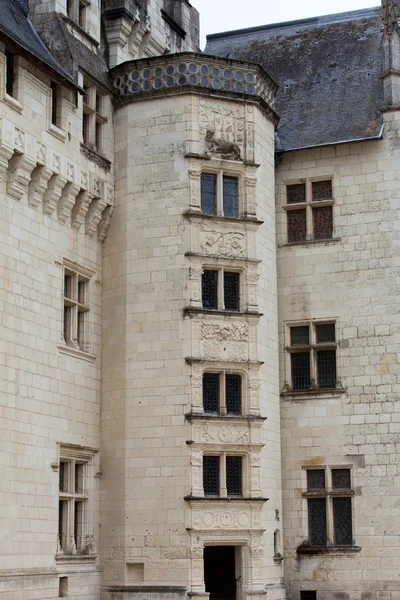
point(223, 128)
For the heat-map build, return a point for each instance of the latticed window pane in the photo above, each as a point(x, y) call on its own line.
point(208, 194)
point(297, 228)
point(299, 336)
point(211, 392)
point(209, 289)
point(300, 371)
point(230, 196)
point(315, 480)
point(323, 223)
point(341, 479)
point(317, 521)
point(321, 190)
point(325, 333)
point(233, 390)
point(342, 519)
point(296, 193)
point(326, 364)
point(234, 475)
point(211, 475)
point(231, 291)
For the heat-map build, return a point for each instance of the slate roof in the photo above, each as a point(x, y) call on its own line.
point(16, 26)
point(327, 69)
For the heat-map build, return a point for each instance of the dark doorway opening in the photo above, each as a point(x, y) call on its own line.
point(220, 572)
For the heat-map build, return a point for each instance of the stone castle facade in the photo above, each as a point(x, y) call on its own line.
point(199, 287)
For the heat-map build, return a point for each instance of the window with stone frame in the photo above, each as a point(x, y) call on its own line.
point(222, 393)
point(10, 74)
point(309, 211)
point(75, 521)
point(93, 117)
point(311, 348)
point(329, 506)
point(77, 11)
point(220, 290)
point(219, 195)
point(223, 476)
point(76, 309)
point(56, 105)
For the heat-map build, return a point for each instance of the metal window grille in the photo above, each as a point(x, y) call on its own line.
point(233, 391)
point(208, 194)
point(321, 190)
point(234, 475)
point(230, 196)
point(342, 518)
point(325, 333)
point(297, 225)
point(209, 289)
point(326, 366)
point(231, 291)
point(323, 222)
point(341, 479)
point(317, 521)
point(211, 393)
point(211, 475)
point(300, 371)
point(315, 480)
point(299, 336)
point(296, 193)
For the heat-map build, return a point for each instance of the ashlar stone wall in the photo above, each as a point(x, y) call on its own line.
point(352, 279)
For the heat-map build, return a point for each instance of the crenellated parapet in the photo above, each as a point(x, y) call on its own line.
point(63, 187)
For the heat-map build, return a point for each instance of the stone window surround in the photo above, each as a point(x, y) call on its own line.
point(246, 185)
point(248, 271)
point(94, 113)
point(222, 389)
point(309, 204)
point(222, 473)
point(312, 323)
point(72, 455)
point(219, 194)
point(221, 287)
point(250, 385)
point(329, 494)
point(15, 100)
point(76, 10)
point(73, 347)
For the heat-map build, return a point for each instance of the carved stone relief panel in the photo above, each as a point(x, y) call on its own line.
point(222, 127)
point(217, 432)
point(229, 244)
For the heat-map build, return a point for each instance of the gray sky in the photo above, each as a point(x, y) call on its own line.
point(222, 15)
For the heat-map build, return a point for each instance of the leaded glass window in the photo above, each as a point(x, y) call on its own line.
point(234, 475)
point(210, 289)
point(342, 518)
point(233, 390)
point(301, 371)
point(211, 393)
point(303, 225)
point(313, 356)
point(329, 490)
point(317, 521)
point(231, 291)
point(211, 475)
point(297, 226)
point(230, 196)
point(323, 222)
point(326, 362)
point(208, 194)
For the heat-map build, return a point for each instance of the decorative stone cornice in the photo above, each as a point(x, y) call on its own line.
point(185, 72)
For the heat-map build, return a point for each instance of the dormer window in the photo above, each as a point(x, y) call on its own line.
point(93, 119)
point(76, 11)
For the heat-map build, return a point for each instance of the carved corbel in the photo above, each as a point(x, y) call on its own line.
point(53, 193)
point(97, 206)
point(107, 214)
point(82, 203)
point(19, 175)
point(38, 185)
point(67, 201)
point(5, 155)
